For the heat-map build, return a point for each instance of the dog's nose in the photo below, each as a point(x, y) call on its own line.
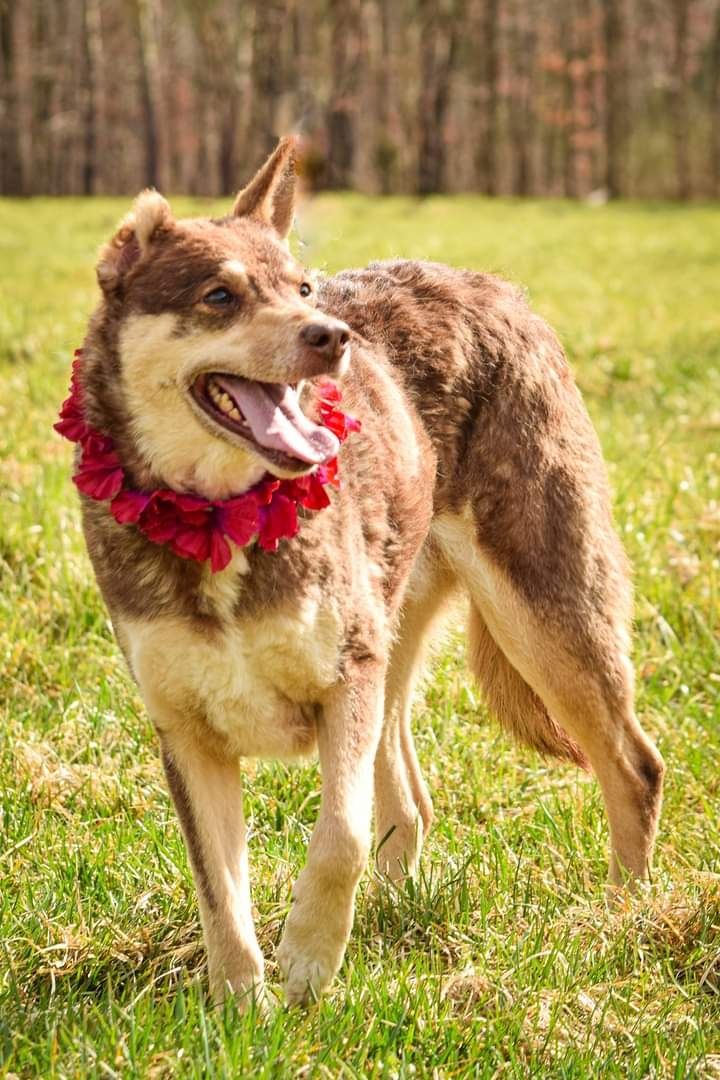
point(327, 339)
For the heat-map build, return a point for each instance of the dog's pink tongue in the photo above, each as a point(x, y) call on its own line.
point(277, 421)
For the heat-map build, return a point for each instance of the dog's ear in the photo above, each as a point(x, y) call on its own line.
point(149, 218)
point(270, 195)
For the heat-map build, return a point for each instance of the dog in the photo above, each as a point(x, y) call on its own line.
point(292, 626)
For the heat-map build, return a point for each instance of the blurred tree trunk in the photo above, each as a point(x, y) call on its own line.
point(92, 54)
point(228, 133)
point(438, 44)
point(385, 148)
point(64, 63)
point(615, 95)
point(266, 76)
point(345, 74)
point(567, 37)
point(11, 172)
point(41, 144)
point(484, 72)
point(219, 29)
point(715, 105)
point(147, 66)
point(680, 97)
point(521, 97)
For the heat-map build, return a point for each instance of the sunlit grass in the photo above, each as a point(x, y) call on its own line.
point(501, 958)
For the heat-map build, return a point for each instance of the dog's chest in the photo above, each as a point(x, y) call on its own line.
point(254, 683)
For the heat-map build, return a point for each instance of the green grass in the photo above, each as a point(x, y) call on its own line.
point(501, 959)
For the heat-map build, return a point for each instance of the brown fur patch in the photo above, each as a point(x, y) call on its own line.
point(184, 810)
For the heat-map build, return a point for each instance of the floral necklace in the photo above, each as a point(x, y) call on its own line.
point(191, 526)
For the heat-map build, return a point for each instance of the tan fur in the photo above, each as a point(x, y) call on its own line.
point(253, 701)
point(477, 470)
point(510, 699)
point(150, 213)
point(595, 711)
point(158, 363)
point(234, 270)
point(168, 434)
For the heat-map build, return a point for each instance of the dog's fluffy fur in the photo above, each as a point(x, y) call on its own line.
point(477, 470)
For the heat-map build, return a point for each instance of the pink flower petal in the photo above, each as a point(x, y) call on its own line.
point(159, 522)
point(333, 420)
point(188, 504)
point(238, 518)
point(99, 481)
point(263, 491)
point(71, 428)
point(329, 391)
point(127, 507)
point(328, 473)
point(220, 553)
point(192, 543)
point(278, 521)
point(308, 491)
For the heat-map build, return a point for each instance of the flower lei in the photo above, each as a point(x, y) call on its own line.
point(191, 526)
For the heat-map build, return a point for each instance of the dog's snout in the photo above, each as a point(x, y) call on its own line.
point(328, 339)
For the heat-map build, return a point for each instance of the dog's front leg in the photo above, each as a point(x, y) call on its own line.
point(207, 792)
point(321, 917)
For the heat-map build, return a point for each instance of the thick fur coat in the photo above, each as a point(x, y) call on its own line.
point(477, 471)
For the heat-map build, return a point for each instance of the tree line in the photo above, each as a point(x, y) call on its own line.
point(522, 97)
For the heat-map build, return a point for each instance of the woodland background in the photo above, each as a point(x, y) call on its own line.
point(523, 97)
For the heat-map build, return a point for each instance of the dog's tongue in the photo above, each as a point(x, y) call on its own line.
point(277, 422)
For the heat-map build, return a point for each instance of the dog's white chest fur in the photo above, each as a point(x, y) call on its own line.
point(253, 682)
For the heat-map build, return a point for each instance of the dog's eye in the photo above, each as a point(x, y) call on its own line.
point(219, 297)
point(306, 289)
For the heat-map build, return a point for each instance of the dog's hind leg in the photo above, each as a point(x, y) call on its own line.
point(569, 663)
point(403, 808)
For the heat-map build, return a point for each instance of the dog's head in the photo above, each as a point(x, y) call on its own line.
point(215, 333)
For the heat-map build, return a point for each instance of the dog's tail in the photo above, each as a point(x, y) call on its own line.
point(511, 700)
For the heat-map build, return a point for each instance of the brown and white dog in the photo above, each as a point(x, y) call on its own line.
point(477, 470)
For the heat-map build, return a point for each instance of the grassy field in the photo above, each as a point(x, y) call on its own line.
point(501, 960)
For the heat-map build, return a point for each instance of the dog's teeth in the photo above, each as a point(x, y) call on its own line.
point(222, 400)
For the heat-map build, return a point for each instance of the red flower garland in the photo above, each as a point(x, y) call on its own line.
point(191, 526)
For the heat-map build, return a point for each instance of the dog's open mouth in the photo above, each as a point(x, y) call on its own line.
point(267, 415)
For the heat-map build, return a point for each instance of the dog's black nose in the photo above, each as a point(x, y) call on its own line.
point(328, 339)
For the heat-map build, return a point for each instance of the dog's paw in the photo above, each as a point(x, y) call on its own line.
point(316, 933)
point(244, 983)
point(304, 977)
point(309, 957)
point(398, 852)
point(246, 996)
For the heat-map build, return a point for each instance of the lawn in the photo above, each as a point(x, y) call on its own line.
point(501, 959)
